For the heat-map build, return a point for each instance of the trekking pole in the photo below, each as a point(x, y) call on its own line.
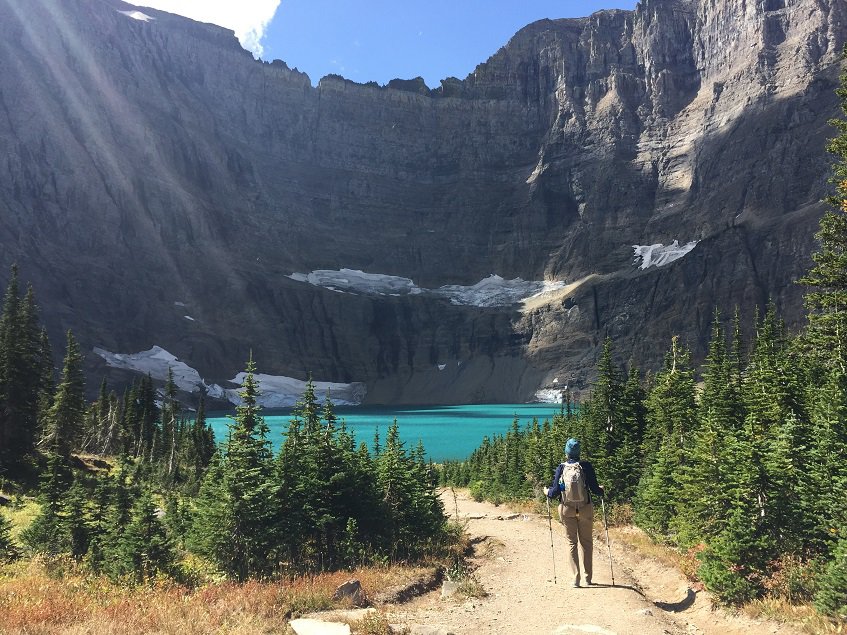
point(550, 525)
point(608, 544)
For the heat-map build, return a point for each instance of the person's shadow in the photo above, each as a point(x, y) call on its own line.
point(684, 603)
point(598, 585)
point(670, 607)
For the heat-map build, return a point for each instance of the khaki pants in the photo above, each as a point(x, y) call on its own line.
point(579, 523)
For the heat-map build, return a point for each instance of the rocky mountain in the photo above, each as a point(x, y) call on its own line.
point(163, 188)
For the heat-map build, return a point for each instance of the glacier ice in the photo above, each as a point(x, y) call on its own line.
point(660, 254)
point(493, 291)
point(277, 391)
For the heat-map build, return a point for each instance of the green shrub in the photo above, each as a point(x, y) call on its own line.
point(477, 490)
point(831, 598)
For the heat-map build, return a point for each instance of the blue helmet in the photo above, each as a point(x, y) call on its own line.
point(572, 449)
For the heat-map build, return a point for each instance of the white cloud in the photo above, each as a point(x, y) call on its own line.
point(248, 18)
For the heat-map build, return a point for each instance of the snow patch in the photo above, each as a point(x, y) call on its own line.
point(659, 254)
point(441, 366)
point(550, 395)
point(156, 363)
point(493, 291)
point(356, 281)
point(137, 15)
point(277, 391)
point(538, 171)
point(188, 317)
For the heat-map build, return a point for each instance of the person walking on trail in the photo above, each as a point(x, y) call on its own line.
point(573, 483)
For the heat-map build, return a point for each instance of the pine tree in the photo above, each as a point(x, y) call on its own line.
point(825, 346)
point(672, 419)
point(9, 336)
point(625, 464)
point(414, 518)
point(8, 549)
point(828, 459)
point(171, 430)
point(600, 423)
point(235, 522)
point(145, 420)
point(201, 446)
point(705, 507)
point(28, 376)
point(831, 598)
point(144, 550)
point(19, 369)
point(826, 300)
point(67, 414)
point(47, 532)
point(777, 430)
point(76, 519)
point(46, 381)
point(99, 525)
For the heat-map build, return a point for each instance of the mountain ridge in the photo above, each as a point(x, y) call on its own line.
point(183, 176)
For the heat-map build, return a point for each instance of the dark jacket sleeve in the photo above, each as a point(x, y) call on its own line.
point(553, 491)
point(591, 478)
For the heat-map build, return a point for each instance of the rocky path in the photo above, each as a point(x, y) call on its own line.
point(513, 556)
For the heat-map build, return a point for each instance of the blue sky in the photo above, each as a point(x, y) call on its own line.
point(378, 40)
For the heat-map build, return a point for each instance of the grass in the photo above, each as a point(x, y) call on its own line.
point(21, 512)
point(33, 601)
point(632, 538)
point(801, 616)
point(777, 607)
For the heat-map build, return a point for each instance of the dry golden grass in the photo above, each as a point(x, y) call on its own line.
point(803, 617)
point(33, 602)
point(636, 540)
point(800, 615)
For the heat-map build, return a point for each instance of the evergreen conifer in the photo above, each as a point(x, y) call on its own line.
point(67, 414)
point(8, 550)
point(144, 550)
point(234, 524)
point(831, 598)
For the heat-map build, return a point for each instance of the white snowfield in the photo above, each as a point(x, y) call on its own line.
point(156, 362)
point(279, 392)
point(659, 254)
point(137, 15)
point(492, 291)
point(549, 395)
point(276, 391)
point(355, 281)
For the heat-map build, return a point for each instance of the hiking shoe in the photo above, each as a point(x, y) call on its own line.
point(588, 579)
point(576, 583)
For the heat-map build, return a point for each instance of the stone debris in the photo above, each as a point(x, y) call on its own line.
point(645, 612)
point(476, 516)
point(449, 588)
point(351, 590)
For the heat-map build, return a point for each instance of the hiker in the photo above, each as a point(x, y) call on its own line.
point(573, 483)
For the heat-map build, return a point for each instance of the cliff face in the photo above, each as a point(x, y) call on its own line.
point(156, 171)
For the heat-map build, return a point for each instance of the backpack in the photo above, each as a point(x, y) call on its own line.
point(572, 484)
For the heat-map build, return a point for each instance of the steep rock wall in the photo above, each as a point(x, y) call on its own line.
point(155, 170)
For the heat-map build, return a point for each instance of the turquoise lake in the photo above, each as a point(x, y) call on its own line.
point(447, 432)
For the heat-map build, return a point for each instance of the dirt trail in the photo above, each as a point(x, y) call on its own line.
point(514, 562)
